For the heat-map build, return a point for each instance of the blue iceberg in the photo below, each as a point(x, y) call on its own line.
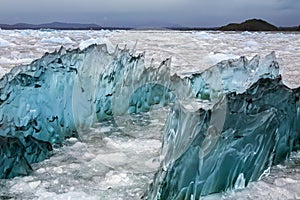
point(226, 142)
point(63, 92)
point(226, 126)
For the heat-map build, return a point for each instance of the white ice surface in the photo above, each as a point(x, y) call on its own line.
point(85, 43)
point(109, 164)
point(57, 40)
point(190, 51)
point(5, 43)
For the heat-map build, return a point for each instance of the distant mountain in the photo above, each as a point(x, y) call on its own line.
point(250, 25)
point(53, 25)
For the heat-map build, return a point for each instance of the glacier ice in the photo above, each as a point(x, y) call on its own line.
point(66, 91)
point(235, 140)
point(226, 125)
point(17, 154)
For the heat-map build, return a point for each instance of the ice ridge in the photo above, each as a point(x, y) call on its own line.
point(223, 143)
point(66, 91)
point(260, 129)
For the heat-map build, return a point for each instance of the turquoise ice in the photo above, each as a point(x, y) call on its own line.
point(226, 126)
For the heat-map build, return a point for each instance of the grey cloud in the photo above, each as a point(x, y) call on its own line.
point(184, 12)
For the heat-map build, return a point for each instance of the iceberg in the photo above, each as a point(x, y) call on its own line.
point(226, 126)
point(226, 142)
point(64, 92)
point(57, 40)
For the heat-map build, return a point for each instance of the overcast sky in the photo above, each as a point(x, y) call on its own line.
point(201, 13)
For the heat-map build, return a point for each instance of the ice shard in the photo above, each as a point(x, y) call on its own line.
point(232, 139)
point(66, 91)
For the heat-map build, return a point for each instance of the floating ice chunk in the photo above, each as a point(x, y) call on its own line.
point(246, 33)
point(202, 35)
point(260, 129)
point(214, 57)
point(5, 43)
point(52, 98)
point(33, 185)
point(57, 40)
point(251, 44)
point(7, 60)
point(69, 195)
point(116, 179)
point(85, 43)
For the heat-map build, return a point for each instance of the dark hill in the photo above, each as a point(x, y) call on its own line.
point(53, 25)
point(250, 25)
